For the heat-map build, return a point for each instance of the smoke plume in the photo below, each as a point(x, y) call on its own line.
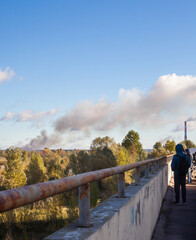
point(42, 141)
point(169, 101)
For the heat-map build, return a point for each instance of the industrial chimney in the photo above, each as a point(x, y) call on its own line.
point(185, 131)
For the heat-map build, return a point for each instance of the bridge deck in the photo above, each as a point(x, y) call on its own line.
point(177, 222)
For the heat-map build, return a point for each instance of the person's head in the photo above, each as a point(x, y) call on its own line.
point(187, 151)
point(179, 148)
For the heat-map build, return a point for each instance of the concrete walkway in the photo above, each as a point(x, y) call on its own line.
point(177, 222)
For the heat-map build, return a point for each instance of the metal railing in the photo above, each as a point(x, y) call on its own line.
point(14, 198)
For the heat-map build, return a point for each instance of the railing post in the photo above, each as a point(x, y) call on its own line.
point(147, 170)
point(137, 176)
point(163, 161)
point(84, 205)
point(156, 165)
point(159, 164)
point(121, 185)
point(152, 168)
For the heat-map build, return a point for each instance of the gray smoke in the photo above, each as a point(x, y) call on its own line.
point(164, 140)
point(191, 119)
point(42, 141)
point(191, 124)
point(179, 127)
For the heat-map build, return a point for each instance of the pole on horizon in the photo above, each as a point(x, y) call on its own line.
point(185, 131)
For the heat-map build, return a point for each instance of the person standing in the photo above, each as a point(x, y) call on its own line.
point(179, 177)
point(189, 171)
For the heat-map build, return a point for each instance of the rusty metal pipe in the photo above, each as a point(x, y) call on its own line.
point(18, 197)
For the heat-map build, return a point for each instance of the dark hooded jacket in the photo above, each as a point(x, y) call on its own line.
point(176, 160)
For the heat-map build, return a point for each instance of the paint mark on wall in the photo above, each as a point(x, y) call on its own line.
point(132, 215)
point(138, 214)
point(146, 193)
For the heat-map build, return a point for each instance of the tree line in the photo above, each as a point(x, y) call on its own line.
point(30, 167)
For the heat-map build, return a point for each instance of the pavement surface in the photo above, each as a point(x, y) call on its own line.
point(177, 222)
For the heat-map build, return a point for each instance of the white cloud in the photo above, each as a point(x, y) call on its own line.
point(166, 102)
point(6, 75)
point(170, 100)
point(8, 116)
point(84, 115)
point(29, 115)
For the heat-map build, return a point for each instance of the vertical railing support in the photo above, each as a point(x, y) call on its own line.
point(152, 168)
point(163, 162)
point(137, 176)
point(165, 158)
point(84, 205)
point(156, 166)
point(147, 166)
point(121, 185)
point(159, 164)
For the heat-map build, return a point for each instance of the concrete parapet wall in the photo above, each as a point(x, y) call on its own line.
point(133, 217)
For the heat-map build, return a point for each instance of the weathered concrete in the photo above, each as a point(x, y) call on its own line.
point(177, 221)
point(133, 217)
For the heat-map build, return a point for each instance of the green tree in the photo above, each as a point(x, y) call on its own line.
point(14, 173)
point(79, 163)
point(158, 146)
point(102, 158)
point(100, 143)
point(2, 153)
point(158, 151)
point(122, 156)
point(132, 144)
point(55, 168)
point(25, 157)
point(188, 144)
point(37, 171)
point(170, 146)
point(143, 154)
point(131, 141)
point(47, 155)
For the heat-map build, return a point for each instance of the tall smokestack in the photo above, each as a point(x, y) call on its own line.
point(185, 131)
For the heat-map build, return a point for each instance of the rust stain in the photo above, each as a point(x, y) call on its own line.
point(85, 191)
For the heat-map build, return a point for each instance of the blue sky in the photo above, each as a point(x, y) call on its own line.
point(74, 70)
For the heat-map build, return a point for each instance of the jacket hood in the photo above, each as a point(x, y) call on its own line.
point(179, 148)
